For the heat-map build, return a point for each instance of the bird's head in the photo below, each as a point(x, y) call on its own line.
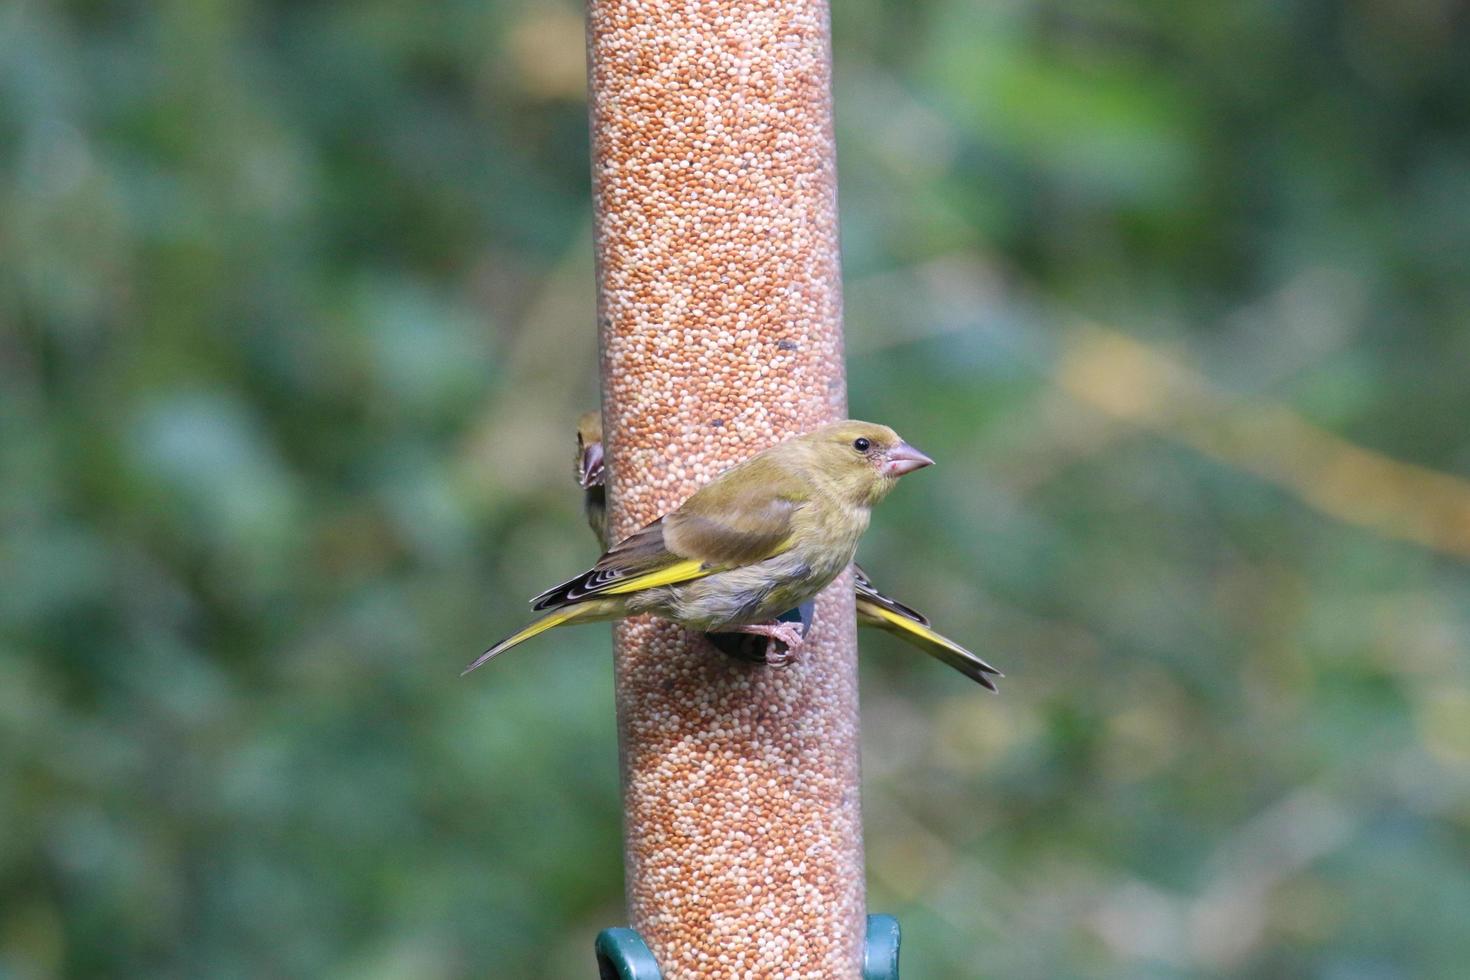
point(863, 459)
point(590, 468)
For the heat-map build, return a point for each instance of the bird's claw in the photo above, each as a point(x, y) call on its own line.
point(782, 645)
point(781, 637)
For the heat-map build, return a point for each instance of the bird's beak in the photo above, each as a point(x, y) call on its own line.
point(904, 458)
point(589, 470)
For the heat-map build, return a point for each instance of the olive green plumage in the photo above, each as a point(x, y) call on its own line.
point(763, 537)
point(874, 609)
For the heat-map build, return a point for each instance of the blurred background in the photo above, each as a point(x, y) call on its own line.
point(296, 318)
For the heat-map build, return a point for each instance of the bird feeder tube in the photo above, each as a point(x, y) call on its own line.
point(720, 319)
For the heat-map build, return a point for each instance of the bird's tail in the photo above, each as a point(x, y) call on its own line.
point(582, 611)
point(935, 644)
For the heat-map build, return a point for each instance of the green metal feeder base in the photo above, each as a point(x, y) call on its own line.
point(623, 955)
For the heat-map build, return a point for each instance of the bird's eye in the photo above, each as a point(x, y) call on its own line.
point(861, 445)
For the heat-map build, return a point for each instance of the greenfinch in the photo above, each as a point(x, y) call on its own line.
point(874, 609)
point(591, 473)
point(762, 538)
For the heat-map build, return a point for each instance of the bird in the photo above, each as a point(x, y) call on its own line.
point(592, 474)
point(874, 609)
point(761, 538)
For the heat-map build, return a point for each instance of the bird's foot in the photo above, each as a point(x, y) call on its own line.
point(783, 639)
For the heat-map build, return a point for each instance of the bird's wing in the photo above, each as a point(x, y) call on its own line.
point(739, 523)
point(724, 525)
point(865, 590)
point(640, 561)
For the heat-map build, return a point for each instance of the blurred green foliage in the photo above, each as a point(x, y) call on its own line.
point(296, 315)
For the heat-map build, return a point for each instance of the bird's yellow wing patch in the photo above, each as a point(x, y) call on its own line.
point(683, 571)
point(608, 579)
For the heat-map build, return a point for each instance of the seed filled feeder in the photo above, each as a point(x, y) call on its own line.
point(720, 325)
